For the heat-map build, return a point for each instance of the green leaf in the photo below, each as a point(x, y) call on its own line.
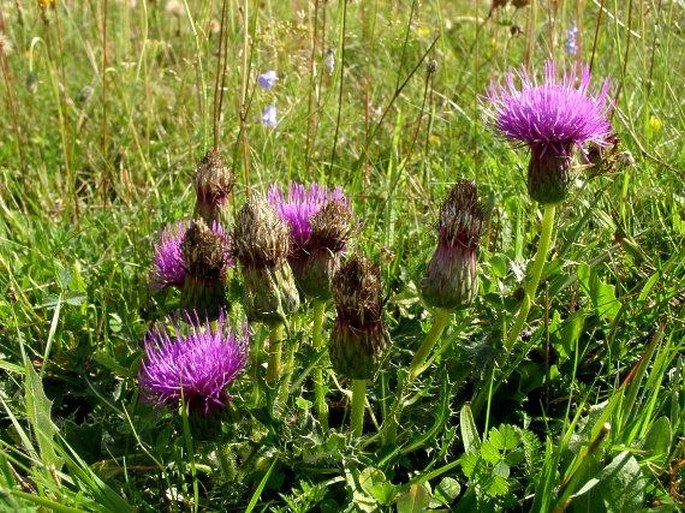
point(469, 432)
point(497, 486)
point(602, 295)
point(489, 452)
point(469, 461)
point(570, 332)
point(414, 500)
point(622, 484)
point(38, 412)
point(504, 438)
point(374, 483)
point(657, 441)
point(448, 490)
point(499, 264)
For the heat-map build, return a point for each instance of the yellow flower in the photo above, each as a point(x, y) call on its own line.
point(655, 123)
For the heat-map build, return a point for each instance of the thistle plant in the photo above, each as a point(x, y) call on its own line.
point(320, 224)
point(552, 118)
point(193, 365)
point(358, 337)
point(450, 282)
point(213, 183)
point(269, 291)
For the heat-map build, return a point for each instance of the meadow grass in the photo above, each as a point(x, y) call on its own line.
point(108, 107)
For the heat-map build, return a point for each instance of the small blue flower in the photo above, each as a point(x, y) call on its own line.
point(269, 117)
point(571, 45)
point(267, 79)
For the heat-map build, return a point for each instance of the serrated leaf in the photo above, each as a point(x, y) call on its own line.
point(489, 452)
point(497, 486)
point(504, 438)
point(469, 461)
point(414, 500)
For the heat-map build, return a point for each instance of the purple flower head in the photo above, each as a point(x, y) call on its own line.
point(195, 364)
point(552, 116)
point(269, 118)
point(169, 267)
point(267, 79)
point(301, 205)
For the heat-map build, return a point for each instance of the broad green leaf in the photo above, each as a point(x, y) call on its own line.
point(622, 484)
point(658, 439)
point(414, 500)
point(497, 486)
point(504, 438)
point(602, 295)
point(489, 452)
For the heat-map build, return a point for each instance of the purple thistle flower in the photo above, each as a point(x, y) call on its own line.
point(195, 366)
point(269, 118)
point(551, 118)
point(169, 268)
point(320, 223)
point(300, 207)
point(267, 79)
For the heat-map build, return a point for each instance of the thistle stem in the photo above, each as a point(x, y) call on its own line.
point(534, 274)
point(441, 319)
point(319, 384)
point(276, 336)
point(358, 400)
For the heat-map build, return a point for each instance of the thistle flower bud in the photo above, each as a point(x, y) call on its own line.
point(261, 246)
point(206, 256)
point(315, 263)
point(213, 183)
point(260, 237)
point(358, 337)
point(269, 293)
point(450, 281)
